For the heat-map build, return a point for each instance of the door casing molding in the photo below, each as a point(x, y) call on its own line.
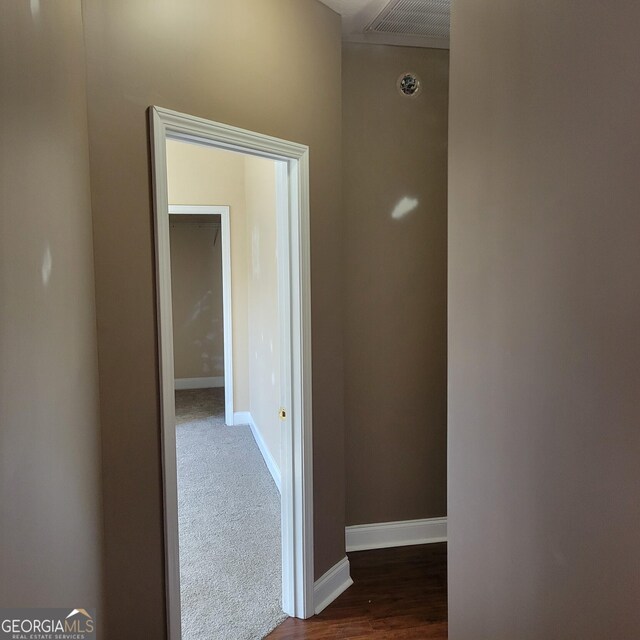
point(294, 301)
point(227, 300)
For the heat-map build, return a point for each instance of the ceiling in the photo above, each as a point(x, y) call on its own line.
point(413, 23)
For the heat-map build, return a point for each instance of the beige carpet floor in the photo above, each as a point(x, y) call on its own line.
point(229, 525)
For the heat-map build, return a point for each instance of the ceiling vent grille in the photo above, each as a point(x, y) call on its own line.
point(424, 18)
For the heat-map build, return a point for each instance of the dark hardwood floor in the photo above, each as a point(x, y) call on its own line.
point(398, 594)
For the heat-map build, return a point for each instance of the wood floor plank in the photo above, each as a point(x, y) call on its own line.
point(398, 594)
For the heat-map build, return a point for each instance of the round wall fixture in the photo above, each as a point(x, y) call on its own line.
point(409, 84)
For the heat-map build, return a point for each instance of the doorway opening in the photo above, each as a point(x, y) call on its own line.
point(293, 305)
point(209, 228)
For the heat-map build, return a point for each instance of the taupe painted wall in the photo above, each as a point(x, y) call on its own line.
point(50, 491)
point(208, 59)
point(395, 151)
point(207, 176)
point(196, 298)
point(263, 321)
point(544, 321)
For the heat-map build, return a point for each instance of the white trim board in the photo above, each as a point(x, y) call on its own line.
point(383, 535)
point(199, 383)
point(245, 417)
point(332, 584)
point(294, 302)
point(225, 226)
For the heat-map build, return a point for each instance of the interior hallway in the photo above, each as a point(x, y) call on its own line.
point(229, 525)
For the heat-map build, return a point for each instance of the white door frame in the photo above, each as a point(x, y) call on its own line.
point(295, 320)
point(227, 314)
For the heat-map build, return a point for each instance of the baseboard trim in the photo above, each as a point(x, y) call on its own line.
point(199, 383)
point(332, 584)
point(383, 535)
point(245, 417)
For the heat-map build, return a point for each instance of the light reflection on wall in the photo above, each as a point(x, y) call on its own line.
point(404, 207)
point(200, 306)
point(47, 264)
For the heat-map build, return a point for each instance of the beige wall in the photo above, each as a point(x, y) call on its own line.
point(196, 297)
point(206, 176)
point(264, 336)
point(50, 492)
point(544, 321)
point(395, 152)
point(208, 59)
point(202, 175)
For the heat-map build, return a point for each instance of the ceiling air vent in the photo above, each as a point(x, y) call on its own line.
point(423, 18)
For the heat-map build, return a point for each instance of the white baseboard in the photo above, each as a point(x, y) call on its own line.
point(245, 417)
point(396, 534)
point(199, 383)
point(333, 583)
